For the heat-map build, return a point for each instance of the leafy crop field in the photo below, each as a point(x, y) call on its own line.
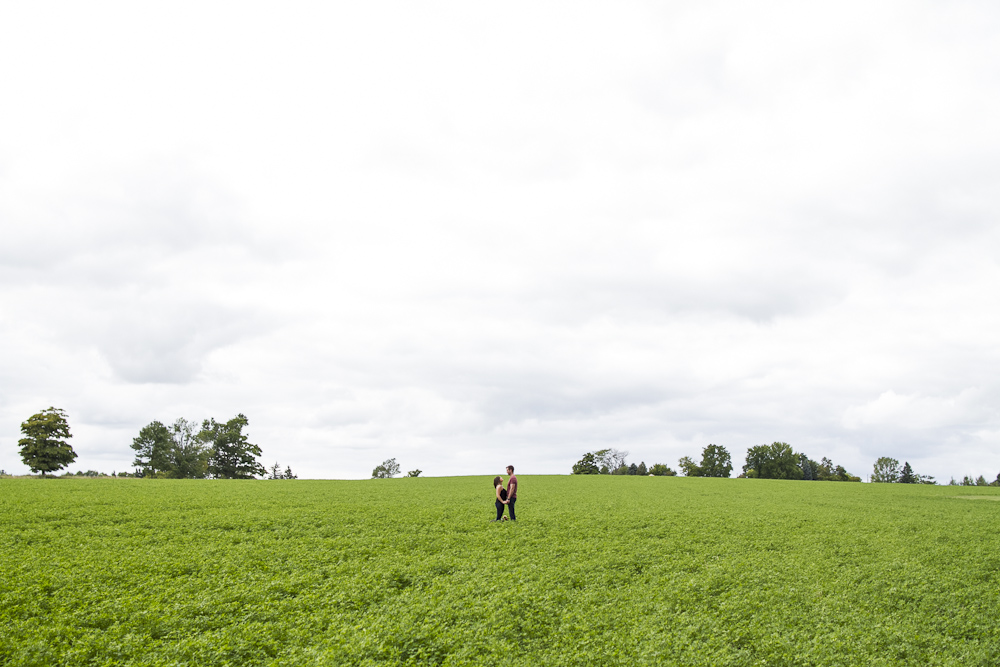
point(598, 570)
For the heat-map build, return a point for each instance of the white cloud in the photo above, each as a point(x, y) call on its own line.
point(461, 235)
point(917, 412)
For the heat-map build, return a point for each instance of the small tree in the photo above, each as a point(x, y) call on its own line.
point(844, 476)
point(44, 447)
point(388, 468)
point(276, 473)
point(981, 481)
point(661, 470)
point(641, 470)
point(907, 476)
point(587, 465)
point(633, 469)
point(886, 470)
point(414, 473)
point(826, 471)
point(689, 467)
point(152, 449)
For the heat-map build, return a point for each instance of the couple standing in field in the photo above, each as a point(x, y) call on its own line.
point(506, 496)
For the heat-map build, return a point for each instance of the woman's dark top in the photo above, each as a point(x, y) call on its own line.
point(503, 494)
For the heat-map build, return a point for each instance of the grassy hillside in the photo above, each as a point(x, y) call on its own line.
point(597, 571)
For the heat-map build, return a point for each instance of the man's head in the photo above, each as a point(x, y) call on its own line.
point(510, 470)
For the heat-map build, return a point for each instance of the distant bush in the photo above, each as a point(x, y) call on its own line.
point(276, 473)
point(388, 468)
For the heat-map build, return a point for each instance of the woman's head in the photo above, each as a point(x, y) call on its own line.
point(497, 481)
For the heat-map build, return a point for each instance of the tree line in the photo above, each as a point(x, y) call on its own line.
point(182, 450)
point(779, 461)
point(978, 481)
point(613, 462)
point(887, 471)
point(775, 461)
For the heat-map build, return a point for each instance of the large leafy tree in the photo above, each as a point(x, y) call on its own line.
point(774, 461)
point(232, 456)
point(152, 449)
point(44, 447)
point(715, 462)
point(587, 465)
point(886, 470)
point(190, 455)
point(177, 451)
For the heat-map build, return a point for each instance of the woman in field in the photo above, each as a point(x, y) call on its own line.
point(501, 493)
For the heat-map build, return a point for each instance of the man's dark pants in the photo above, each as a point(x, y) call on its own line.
point(510, 508)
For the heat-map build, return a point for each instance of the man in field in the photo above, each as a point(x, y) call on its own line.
point(511, 491)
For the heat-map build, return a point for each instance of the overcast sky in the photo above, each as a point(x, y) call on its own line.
point(470, 234)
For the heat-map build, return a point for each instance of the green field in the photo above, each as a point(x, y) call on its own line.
point(597, 571)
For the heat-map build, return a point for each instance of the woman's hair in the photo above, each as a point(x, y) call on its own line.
point(497, 481)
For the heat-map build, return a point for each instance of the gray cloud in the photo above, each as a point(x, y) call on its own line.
point(153, 341)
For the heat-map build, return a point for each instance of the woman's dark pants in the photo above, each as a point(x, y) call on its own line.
point(499, 510)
